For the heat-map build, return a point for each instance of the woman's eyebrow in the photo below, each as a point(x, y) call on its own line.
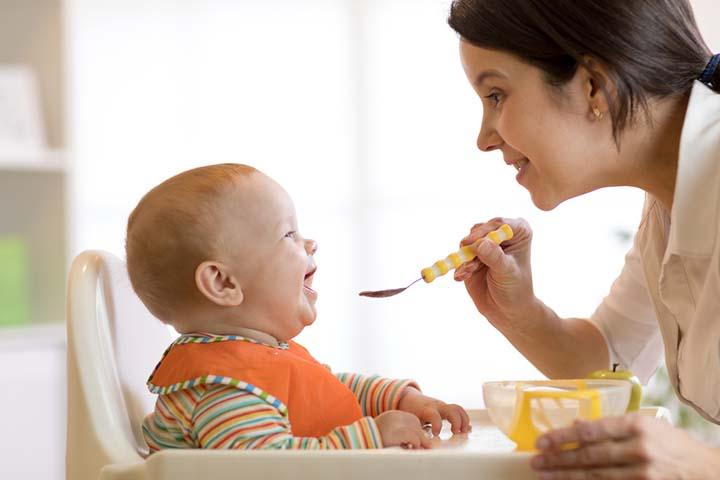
point(484, 75)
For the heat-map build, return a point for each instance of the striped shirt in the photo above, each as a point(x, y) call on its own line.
point(225, 417)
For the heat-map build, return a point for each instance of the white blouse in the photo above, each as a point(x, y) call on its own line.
point(667, 297)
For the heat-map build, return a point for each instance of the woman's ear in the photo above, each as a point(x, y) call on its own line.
point(598, 87)
point(217, 285)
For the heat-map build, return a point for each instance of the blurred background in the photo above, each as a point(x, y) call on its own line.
point(359, 108)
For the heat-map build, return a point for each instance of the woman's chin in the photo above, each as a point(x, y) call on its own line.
point(544, 202)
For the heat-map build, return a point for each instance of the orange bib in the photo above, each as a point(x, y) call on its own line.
point(301, 388)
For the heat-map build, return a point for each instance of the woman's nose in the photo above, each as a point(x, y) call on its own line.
point(488, 139)
point(311, 246)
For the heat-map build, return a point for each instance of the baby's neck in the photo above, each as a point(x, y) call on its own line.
point(225, 324)
point(256, 335)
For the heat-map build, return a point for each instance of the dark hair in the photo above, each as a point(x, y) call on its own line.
point(651, 48)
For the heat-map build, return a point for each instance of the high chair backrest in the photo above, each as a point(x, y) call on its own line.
point(113, 345)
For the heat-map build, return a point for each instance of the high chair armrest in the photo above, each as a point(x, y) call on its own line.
point(484, 453)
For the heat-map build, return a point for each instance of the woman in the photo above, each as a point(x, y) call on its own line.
point(580, 95)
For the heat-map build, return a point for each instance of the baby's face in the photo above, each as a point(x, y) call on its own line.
point(273, 261)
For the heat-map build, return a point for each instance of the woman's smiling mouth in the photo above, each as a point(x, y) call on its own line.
point(520, 164)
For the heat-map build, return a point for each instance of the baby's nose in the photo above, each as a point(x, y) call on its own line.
point(311, 246)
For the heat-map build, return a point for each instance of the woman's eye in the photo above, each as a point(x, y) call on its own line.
point(495, 98)
point(291, 234)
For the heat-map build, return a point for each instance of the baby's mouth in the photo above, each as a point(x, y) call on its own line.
point(307, 281)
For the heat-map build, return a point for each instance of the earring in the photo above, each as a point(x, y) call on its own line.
point(598, 114)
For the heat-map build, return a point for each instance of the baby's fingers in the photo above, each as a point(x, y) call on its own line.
point(466, 425)
point(454, 415)
point(432, 416)
point(416, 439)
point(425, 441)
point(463, 423)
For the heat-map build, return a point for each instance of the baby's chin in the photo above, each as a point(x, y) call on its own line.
point(305, 321)
point(311, 319)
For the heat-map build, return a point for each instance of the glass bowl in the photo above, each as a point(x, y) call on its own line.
point(552, 404)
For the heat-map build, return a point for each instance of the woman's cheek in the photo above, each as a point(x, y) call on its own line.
point(507, 126)
point(519, 133)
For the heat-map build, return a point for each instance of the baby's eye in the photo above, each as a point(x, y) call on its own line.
point(291, 234)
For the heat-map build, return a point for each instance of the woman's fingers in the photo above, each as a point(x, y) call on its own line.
point(480, 230)
point(607, 473)
point(582, 431)
point(633, 446)
point(491, 256)
point(465, 270)
point(520, 227)
point(626, 452)
point(494, 257)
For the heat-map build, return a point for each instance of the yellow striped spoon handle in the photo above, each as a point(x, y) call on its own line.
point(465, 254)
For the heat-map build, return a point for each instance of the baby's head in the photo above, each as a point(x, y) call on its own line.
point(217, 249)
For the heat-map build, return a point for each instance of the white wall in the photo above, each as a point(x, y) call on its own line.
point(360, 108)
point(33, 402)
point(707, 13)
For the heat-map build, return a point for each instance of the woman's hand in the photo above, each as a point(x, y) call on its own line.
point(499, 280)
point(432, 411)
point(630, 446)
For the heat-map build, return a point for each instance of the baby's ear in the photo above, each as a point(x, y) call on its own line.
point(215, 282)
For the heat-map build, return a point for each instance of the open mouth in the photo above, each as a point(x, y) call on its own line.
point(520, 164)
point(307, 281)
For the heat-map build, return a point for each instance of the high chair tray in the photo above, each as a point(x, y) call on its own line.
point(483, 453)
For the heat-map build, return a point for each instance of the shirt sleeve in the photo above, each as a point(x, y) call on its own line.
point(228, 418)
point(627, 321)
point(374, 393)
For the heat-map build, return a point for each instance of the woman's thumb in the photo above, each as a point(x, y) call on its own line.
point(493, 256)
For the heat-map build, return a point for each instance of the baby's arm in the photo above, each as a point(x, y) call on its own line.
point(375, 394)
point(229, 418)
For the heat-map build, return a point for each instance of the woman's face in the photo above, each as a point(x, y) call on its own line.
point(560, 148)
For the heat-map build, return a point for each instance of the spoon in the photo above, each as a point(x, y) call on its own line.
point(386, 293)
point(441, 267)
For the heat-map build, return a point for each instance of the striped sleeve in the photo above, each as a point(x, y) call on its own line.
point(229, 418)
point(170, 425)
point(374, 393)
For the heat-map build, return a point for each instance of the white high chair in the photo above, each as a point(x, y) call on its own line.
point(112, 341)
point(113, 344)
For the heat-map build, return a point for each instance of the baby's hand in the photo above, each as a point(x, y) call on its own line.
point(433, 411)
point(401, 429)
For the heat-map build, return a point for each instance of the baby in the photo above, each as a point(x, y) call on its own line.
point(216, 253)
